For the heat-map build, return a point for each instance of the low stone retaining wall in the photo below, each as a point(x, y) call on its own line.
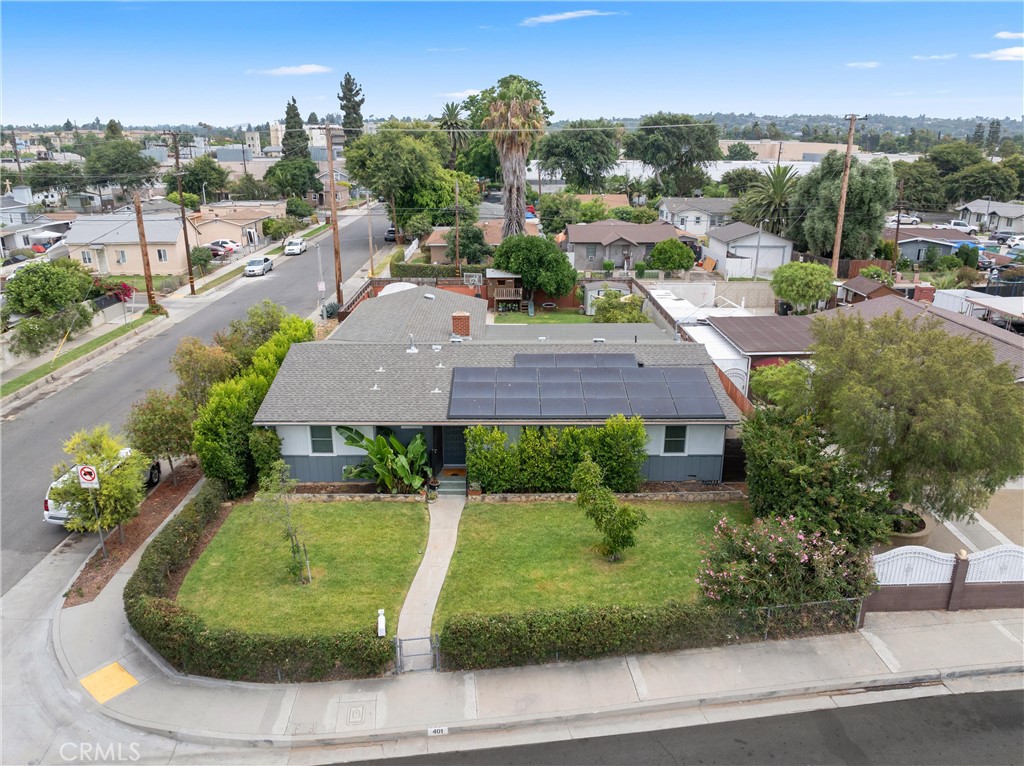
point(341, 497)
point(712, 496)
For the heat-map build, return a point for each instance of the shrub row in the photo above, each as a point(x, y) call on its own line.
point(191, 646)
point(475, 642)
point(404, 270)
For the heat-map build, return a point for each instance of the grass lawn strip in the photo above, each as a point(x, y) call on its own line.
point(513, 558)
point(363, 556)
point(541, 316)
point(71, 355)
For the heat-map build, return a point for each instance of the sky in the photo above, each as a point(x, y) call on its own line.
point(239, 62)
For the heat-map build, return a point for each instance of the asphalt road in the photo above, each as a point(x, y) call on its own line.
point(956, 729)
point(31, 438)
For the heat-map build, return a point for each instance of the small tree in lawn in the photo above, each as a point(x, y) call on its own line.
point(802, 285)
point(274, 501)
point(617, 522)
point(671, 255)
point(160, 425)
point(121, 482)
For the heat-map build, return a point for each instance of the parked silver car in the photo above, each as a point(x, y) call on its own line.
point(256, 267)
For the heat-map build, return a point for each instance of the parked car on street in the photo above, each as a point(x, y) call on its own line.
point(904, 220)
point(55, 513)
point(389, 235)
point(295, 246)
point(960, 225)
point(1002, 237)
point(1015, 241)
point(256, 267)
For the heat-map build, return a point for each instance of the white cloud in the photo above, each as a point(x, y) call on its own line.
point(1009, 35)
point(937, 57)
point(445, 50)
point(1003, 54)
point(568, 16)
point(461, 94)
point(283, 71)
point(864, 65)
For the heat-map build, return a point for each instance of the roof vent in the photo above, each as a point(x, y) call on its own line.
point(429, 296)
point(380, 369)
point(598, 340)
point(440, 365)
point(437, 391)
point(436, 347)
point(412, 347)
point(542, 338)
point(456, 339)
point(375, 387)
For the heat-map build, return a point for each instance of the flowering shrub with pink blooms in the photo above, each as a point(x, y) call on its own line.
point(773, 561)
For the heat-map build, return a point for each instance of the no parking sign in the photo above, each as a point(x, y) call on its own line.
point(87, 477)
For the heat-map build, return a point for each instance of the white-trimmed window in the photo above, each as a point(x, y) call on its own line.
point(696, 220)
point(321, 441)
point(675, 440)
point(87, 256)
point(591, 252)
point(161, 255)
point(682, 221)
point(122, 256)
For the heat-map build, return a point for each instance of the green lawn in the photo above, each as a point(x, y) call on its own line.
point(363, 556)
point(543, 316)
point(512, 558)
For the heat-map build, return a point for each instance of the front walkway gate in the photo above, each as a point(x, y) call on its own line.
point(415, 654)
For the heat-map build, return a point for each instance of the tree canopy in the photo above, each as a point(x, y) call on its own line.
point(120, 162)
point(539, 262)
point(802, 284)
point(678, 147)
point(740, 151)
point(739, 180)
point(295, 142)
point(201, 170)
point(351, 100)
point(671, 255)
point(62, 177)
point(985, 179)
point(293, 177)
point(617, 308)
point(583, 151)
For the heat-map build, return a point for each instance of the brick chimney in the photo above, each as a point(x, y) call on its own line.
point(460, 324)
point(924, 293)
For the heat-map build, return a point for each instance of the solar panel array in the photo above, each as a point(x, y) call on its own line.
point(575, 360)
point(586, 392)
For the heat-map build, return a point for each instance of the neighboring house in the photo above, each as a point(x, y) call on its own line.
point(241, 221)
point(436, 245)
point(697, 215)
point(416, 315)
point(994, 216)
point(14, 206)
point(273, 150)
point(39, 231)
point(588, 245)
point(914, 242)
point(439, 390)
point(741, 250)
point(158, 205)
point(109, 244)
point(342, 188)
point(861, 289)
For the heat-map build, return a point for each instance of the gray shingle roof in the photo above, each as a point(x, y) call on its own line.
point(732, 232)
point(862, 285)
point(394, 317)
point(605, 232)
point(383, 384)
point(1002, 209)
point(715, 205)
point(118, 228)
point(578, 333)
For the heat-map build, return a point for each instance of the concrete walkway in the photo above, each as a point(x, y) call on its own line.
point(418, 609)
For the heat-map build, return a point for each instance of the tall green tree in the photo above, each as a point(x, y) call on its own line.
point(120, 162)
point(455, 126)
point(294, 177)
point(922, 186)
point(678, 147)
point(201, 170)
point(248, 187)
point(351, 99)
point(312, 119)
point(986, 179)
point(539, 262)
point(473, 248)
point(198, 366)
point(739, 180)
point(160, 426)
point(244, 336)
point(954, 156)
point(558, 210)
point(61, 177)
point(583, 151)
point(802, 285)
point(927, 412)
point(295, 142)
point(770, 198)
point(113, 131)
point(870, 197)
point(516, 120)
point(741, 152)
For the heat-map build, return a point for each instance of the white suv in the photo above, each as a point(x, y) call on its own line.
point(55, 513)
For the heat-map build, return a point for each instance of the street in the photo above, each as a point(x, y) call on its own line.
point(953, 729)
point(32, 437)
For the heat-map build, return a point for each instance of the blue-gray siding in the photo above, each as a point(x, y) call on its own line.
point(320, 468)
point(683, 468)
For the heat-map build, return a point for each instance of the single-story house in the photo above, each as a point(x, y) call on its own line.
point(416, 315)
point(41, 230)
point(994, 216)
point(588, 245)
point(697, 215)
point(741, 250)
point(915, 241)
point(109, 243)
point(861, 289)
point(437, 246)
point(439, 390)
point(238, 220)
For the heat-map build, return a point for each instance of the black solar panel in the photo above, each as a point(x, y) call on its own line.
point(522, 390)
point(534, 360)
point(698, 407)
point(560, 374)
point(516, 374)
point(603, 408)
point(575, 360)
point(563, 408)
point(604, 390)
point(616, 360)
point(600, 375)
point(473, 374)
point(690, 388)
point(652, 408)
point(462, 389)
point(658, 390)
point(471, 408)
point(683, 374)
point(521, 408)
point(642, 374)
point(561, 390)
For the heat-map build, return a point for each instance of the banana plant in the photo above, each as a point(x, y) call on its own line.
point(395, 468)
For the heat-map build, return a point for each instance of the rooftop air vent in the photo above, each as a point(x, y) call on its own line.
point(437, 391)
point(429, 296)
point(440, 365)
point(456, 339)
point(375, 387)
point(380, 369)
point(598, 340)
point(542, 338)
point(435, 347)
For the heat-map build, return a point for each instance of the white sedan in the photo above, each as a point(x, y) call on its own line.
point(295, 246)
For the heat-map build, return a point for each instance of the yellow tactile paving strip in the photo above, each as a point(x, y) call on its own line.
point(106, 683)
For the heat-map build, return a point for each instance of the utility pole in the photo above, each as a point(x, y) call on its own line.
point(184, 218)
point(838, 243)
point(150, 296)
point(778, 160)
point(458, 269)
point(369, 234)
point(334, 221)
point(896, 243)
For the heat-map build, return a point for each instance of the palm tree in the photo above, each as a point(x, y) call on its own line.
point(768, 199)
point(451, 122)
point(516, 120)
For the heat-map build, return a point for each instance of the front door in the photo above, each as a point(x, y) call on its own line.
point(454, 445)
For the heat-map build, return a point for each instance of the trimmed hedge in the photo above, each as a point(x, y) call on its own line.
point(476, 642)
point(191, 646)
point(404, 270)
